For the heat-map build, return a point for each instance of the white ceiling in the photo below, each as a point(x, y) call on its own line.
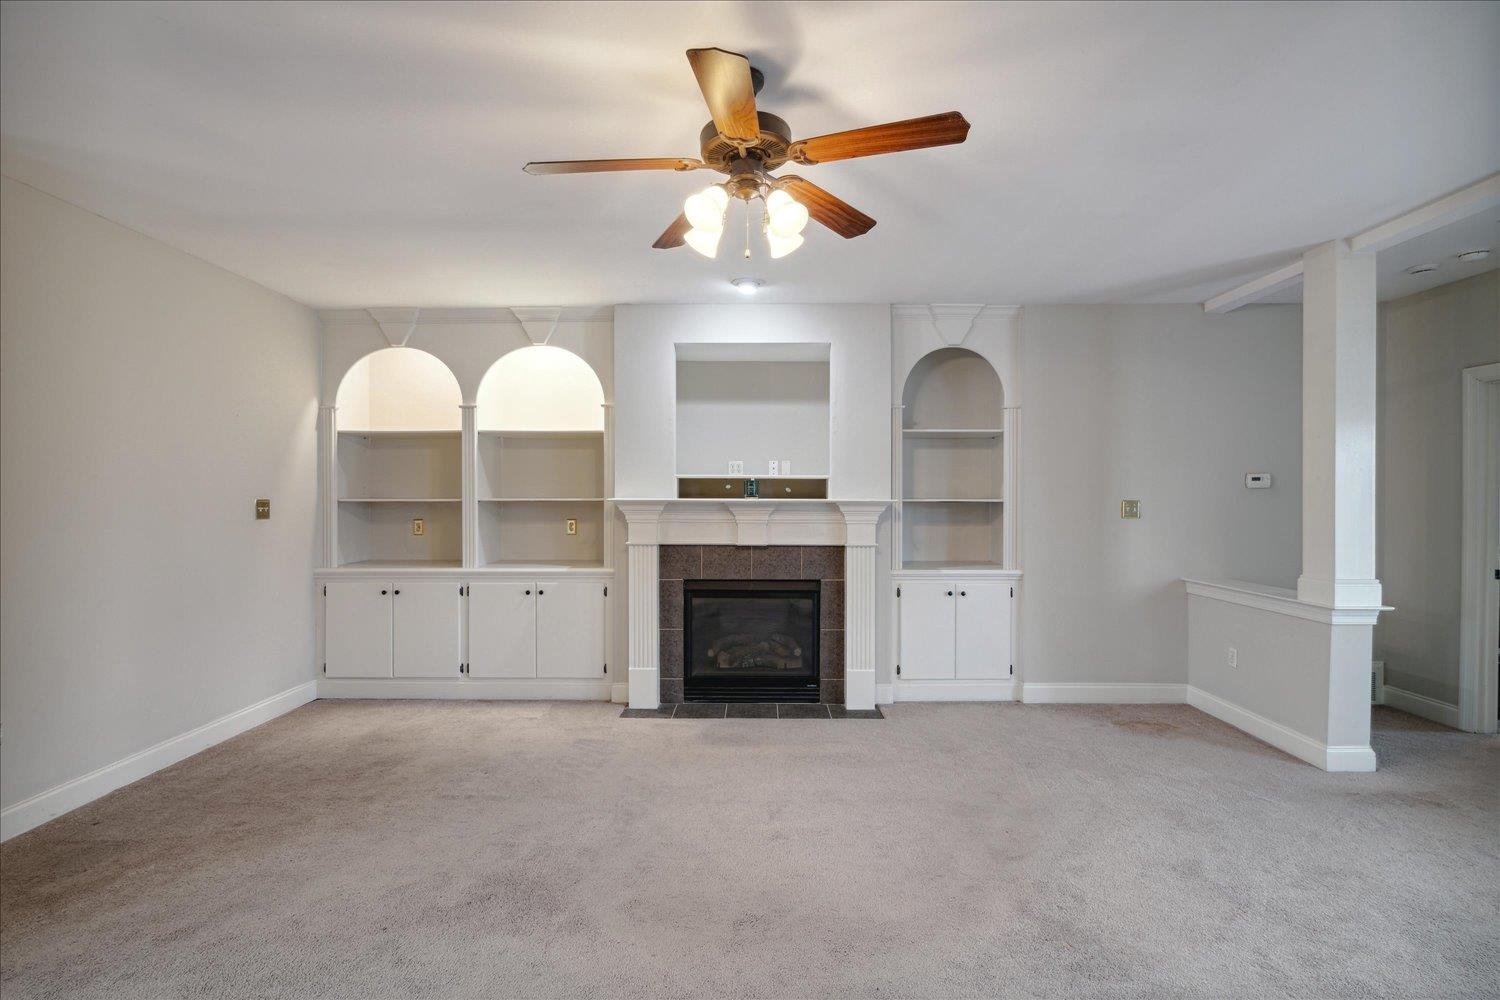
point(370, 154)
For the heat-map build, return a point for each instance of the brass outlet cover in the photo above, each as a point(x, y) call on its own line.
point(1130, 508)
point(418, 526)
point(571, 527)
point(263, 509)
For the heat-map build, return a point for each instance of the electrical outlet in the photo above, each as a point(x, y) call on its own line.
point(418, 526)
point(571, 527)
point(774, 468)
point(1130, 508)
point(736, 468)
point(1257, 480)
point(1233, 658)
point(263, 509)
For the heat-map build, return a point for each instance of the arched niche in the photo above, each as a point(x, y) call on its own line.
point(540, 475)
point(398, 389)
point(540, 388)
point(953, 388)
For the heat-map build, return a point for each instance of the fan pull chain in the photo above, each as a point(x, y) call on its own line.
point(747, 230)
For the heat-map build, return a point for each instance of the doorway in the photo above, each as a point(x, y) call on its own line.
point(1479, 615)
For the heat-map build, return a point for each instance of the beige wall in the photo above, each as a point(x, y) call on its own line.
point(1426, 340)
point(1172, 407)
point(146, 399)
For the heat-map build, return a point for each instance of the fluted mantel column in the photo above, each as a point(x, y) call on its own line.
point(860, 520)
point(643, 553)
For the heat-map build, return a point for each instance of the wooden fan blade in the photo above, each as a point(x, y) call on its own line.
point(604, 166)
point(914, 133)
point(835, 213)
point(729, 90)
point(674, 233)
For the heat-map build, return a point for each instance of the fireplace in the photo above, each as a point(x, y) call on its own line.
point(751, 640)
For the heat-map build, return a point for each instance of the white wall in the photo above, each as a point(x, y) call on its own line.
point(859, 337)
point(1426, 340)
point(146, 399)
point(752, 412)
point(1172, 407)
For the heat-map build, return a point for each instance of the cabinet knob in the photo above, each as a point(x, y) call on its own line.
point(528, 593)
point(384, 592)
point(961, 593)
point(950, 593)
point(540, 592)
point(398, 591)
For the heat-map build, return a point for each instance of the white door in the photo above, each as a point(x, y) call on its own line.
point(570, 629)
point(984, 621)
point(927, 626)
point(429, 642)
point(502, 629)
point(357, 628)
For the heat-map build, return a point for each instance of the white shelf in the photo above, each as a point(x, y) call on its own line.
point(544, 565)
point(397, 433)
point(399, 500)
point(949, 565)
point(541, 499)
point(399, 564)
point(543, 433)
point(952, 500)
point(952, 432)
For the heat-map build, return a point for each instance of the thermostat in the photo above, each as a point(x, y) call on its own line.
point(1257, 480)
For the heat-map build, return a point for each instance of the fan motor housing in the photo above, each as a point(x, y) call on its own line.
point(770, 149)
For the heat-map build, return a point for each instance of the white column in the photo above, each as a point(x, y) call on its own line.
point(469, 508)
point(1338, 428)
point(642, 553)
point(328, 481)
point(1338, 487)
point(860, 603)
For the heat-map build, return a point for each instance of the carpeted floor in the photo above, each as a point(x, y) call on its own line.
point(422, 849)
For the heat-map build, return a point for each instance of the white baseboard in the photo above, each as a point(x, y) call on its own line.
point(462, 688)
point(884, 695)
point(1420, 704)
point(954, 691)
point(1300, 745)
point(1103, 694)
point(619, 694)
point(39, 808)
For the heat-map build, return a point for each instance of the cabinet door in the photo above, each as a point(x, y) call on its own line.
point(428, 642)
point(984, 623)
point(927, 629)
point(570, 628)
point(502, 630)
point(357, 628)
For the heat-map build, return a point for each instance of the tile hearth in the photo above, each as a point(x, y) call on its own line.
point(750, 710)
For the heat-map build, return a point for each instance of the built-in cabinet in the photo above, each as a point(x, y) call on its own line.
point(955, 576)
point(393, 628)
point(956, 629)
point(542, 628)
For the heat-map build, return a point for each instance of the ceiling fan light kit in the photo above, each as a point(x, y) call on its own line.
point(746, 144)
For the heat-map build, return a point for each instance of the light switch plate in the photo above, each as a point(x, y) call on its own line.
point(736, 468)
point(774, 468)
point(1257, 480)
point(1130, 508)
point(786, 466)
point(263, 509)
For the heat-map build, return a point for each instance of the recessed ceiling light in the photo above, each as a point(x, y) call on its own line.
point(1470, 256)
point(747, 286)
point(1421, 268)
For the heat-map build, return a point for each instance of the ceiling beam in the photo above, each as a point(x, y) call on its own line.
point(1481, 196)
point(1256, 288)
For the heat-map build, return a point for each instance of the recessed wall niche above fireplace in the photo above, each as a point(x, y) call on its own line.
point(750, 640)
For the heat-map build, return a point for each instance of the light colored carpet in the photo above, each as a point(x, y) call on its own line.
point(421, 849)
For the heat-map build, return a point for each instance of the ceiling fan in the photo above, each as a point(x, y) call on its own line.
point(747, 144)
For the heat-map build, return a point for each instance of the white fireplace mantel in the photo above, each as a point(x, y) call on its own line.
point(651, 524)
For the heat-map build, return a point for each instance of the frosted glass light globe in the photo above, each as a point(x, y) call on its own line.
point(704, 241)
point(782, 245)
point(705, 210)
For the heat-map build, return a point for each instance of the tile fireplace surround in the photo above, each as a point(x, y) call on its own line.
point(832, 541)
point(771, 562)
